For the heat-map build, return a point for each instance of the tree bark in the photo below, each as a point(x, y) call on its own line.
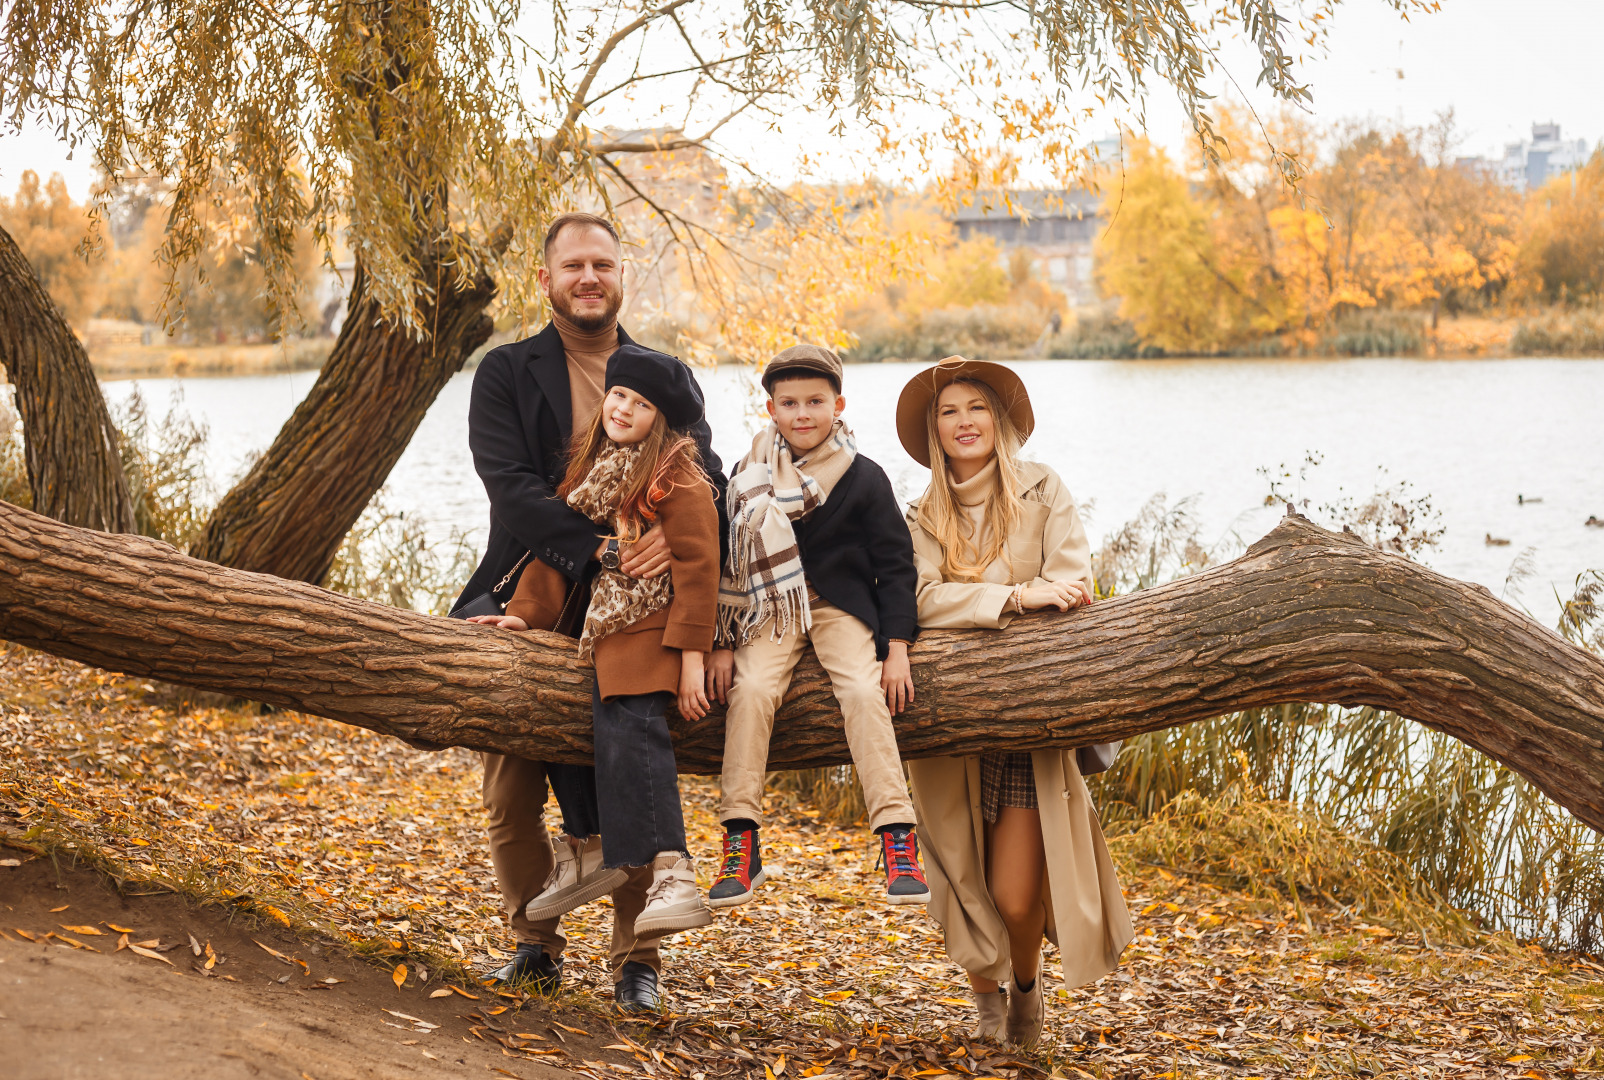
point(1304, 615)
point(75, 473)
point(291, 512)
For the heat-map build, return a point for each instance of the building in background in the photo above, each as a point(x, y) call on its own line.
point(1529, 164)
point(1058, 228)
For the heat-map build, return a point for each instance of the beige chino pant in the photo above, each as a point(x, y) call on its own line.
point(520, 851)
point(763, 668)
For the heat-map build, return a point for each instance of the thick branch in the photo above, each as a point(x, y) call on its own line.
point(291, 512)
point(75, 473)
point(1304, 616)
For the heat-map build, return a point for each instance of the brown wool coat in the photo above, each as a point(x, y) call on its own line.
point(1086, 912)
point(644, 657)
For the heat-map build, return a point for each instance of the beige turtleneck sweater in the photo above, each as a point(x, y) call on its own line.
point(587, 354)
point(972, 496)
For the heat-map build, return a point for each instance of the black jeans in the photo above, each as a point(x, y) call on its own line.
point(631, 796)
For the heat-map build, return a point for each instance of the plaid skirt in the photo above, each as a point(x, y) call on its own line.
point(1006, 780)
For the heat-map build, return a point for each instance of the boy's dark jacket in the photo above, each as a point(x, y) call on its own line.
point(519, 423)
point(857, 554)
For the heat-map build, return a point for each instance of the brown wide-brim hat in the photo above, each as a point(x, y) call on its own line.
point(913, 407)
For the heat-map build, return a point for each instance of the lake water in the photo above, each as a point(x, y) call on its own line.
point(1474, 435)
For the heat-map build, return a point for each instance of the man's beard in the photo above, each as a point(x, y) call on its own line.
point(562, 304)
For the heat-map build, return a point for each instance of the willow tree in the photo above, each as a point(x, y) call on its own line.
point(442, 141)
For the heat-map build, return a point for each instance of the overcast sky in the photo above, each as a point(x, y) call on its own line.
point(1500, 64)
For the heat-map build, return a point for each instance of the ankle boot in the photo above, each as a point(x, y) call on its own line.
point(1025, 1014)
point(576, 878)
point(673, 902)
point(991, 1013)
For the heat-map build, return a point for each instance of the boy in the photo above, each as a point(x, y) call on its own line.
point(820, 552)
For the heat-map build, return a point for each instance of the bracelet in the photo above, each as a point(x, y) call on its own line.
point(1018, 598)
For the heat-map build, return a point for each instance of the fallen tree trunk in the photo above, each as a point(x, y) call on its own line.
point(1304, 615)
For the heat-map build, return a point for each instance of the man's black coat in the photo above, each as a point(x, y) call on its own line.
point(858, 554)
point(519, 423)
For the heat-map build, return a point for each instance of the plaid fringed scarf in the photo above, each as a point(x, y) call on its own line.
point(616, 599)
point(764, 578)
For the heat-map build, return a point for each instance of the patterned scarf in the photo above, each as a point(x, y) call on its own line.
point(765, 580)
point(616, 599)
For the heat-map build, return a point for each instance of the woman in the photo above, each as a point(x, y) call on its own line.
point(1013, 847)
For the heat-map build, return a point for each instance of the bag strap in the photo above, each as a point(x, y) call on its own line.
point(502, 584)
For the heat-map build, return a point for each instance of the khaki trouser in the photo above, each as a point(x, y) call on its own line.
point(520, 851)
point(763, 668)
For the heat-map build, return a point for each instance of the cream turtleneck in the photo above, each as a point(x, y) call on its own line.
point(972, 496)
point(587, 352)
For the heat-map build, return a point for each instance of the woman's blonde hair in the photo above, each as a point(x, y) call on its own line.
point(963, 558)
point(668, 459)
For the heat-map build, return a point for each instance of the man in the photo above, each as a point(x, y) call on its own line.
point(528, 397)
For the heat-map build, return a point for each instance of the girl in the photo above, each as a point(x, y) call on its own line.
point(633, 468)
point(1013, 848)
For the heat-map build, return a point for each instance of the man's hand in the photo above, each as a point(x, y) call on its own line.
point(896, 678)
point(721, 675)
point(646, 557)
point(693, 703)
point(506, 622)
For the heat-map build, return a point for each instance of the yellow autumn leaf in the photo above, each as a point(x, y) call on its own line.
point(82, 929)
point(442, 992)
point(399, 975)
point(121, 929)
point(142, 951)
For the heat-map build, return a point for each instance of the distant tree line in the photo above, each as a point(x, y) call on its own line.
point(109, 269)
point(1223, 254)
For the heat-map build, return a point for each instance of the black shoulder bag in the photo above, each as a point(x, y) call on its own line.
point(493, 602)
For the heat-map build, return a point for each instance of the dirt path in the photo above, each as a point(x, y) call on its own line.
point(102, 1012)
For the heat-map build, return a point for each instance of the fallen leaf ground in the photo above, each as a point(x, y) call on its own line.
point(356, 842)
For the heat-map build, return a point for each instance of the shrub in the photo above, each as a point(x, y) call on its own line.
point(1376, 333)
point(983, 331)
point(1099, 334)
point(1560, 333)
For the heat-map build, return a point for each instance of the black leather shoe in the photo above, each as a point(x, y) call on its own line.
point(532, 967)
point(636, 988)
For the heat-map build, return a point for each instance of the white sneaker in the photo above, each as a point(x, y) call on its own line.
point(576, 879)
point(673, 903)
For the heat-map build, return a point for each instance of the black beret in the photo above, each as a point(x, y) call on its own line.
point(660, 379)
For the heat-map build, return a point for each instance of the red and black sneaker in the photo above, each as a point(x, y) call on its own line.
point(905, 881)
point(742, 870)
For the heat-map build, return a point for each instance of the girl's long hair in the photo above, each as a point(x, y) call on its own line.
point(963, 558)
point(668, 459)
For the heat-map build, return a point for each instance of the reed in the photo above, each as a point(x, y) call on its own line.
point(14, 487)
point(1374, 332)
point(164, 462)
point(1560, 331)
point(390, 559)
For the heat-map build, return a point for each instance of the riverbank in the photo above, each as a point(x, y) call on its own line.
point(368, 851)
point(189, 361)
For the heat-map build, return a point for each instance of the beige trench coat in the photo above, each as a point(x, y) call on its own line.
point(1086, 913)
